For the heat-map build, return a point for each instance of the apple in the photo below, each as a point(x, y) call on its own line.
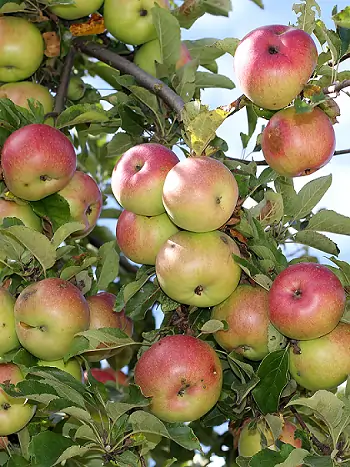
point(48, 314)
point(108, 374)
point(183, 375)
point(15, 413)
point(22, 212)
point(198, 268)
point(322, 363)
point(19, 93)
point(76, 88)
point(205, 205)
point(285, 57)
point(48, 157)
point(246, 313)
point(72, 367)
point(306, 301)
point(138, 178)
point(296, 144)
point(79, 9)
point(150, 53)
point(8, 336)
point(135, 24)
point(21, 49)
point(85, 201)
point(140, 237)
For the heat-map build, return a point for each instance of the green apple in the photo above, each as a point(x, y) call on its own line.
point(21, 49)
point(79, 9)
point(22, 212)
point(8, 336)
point(20, 92)
point(76, 88)
point(72, 367)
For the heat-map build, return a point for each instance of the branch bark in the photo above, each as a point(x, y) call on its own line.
point(336, 88)
point(63, 87)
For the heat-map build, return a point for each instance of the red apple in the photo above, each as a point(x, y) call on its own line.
point(273, 64)
point(140, 237)
point(183, 375)
point(22, 212)
point(138, 178)
point(108, 374)
point(306, 301)
point(298, 144)
point(48, 157)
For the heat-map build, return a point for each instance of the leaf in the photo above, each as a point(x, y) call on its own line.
point(129, 290)
point(317, 240)
point(329, 221)
point(252, 121)
point(168, 32)
point(204, 80)
point(53, 207)
point(150, 100)
point(306, 13)
point(259, 3)
point(228, 45)
point(119, 144)
point(276, 340)
point(81, 113)
point(46, 447)
point(324, 34)
point(69, 272)
point(108, 266)
point(212, 326)
point(204, 50)
point(64, 232)
point(311, 194)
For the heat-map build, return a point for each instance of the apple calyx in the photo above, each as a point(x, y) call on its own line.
point(198, 290)
point(143, 12)
point(273, 50)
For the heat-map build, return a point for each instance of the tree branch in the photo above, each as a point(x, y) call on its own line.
point(147, 81)
point(63, 87)
point(336, 88)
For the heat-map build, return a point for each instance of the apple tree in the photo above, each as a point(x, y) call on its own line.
point(151, 310)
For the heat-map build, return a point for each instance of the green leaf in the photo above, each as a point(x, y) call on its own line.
point(150, 100)
point(311, 194)
point(204, 50)
point(329, 221)
point(212, 326)
point(129, 290)
point(204, 80)
point(108, 265)
point(259, 3)
point(119, 144)
point(306, 13)
point(184, 80)
point(252, 121)
point(168, 32)
point(228, 45)
point(318, 241)
point(53, 207)
point(276, 340)
point(81, 113)
point(69, 272)
point(324, 34)
point(64, 232)
point(46, 447)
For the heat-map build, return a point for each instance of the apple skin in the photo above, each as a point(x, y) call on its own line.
point(8, 336)
point(246, 313)
point(19, 93)
point(324, 362)
point(306, 301)
point(135, 26)
point(205, 207)
point(285, 57)
point(298, 144)
point(21, 49)
point(183, 375)
point(85, 201)
point(48, 156)
point(140, 237)
point(15, 413)
point(138, 178)
point(22, 212)
point(80, 9)
point(198, 268)
point(108, 374)
point(76, 88)
point(48, 314)
point(72, 367)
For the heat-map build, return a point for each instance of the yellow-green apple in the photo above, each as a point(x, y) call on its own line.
point(22, 212)
point(138, 178)
point(108, 374)
point(150, 53)
point(246, 313)
point(48, 157)
point(296, 144)
point(72, 367)
point(48, 314)
point(183, 375)
point(322, 363)
point(15, 413)
point(8, 336)
point(140, 237)
point(85, 201)
point(76, 88)
point(135, 24)
point(21, 49)
point(285, 58)
point(19, 93)
point(306, 301)
point(206, 207)
point(79, 9)
point(198, 268)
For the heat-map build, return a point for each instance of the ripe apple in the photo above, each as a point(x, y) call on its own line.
point(15, 413)
point(246, 313)
point(76, 87)
point(48, 157)
point(48, 314)
point(135, 24)
point(298, 144)
point(85, 201)
point(22, 212)
point(285, 57)
point(138, 178)
point(140, 237)
point(306, 301)
point(79, 9)
point(108, 374)
point(19, 93)
point(183, 375)
point(198, 268)
point(205, 206)
point(72, 367)
point(8, 336)
point(149, 53)
point(322, 363)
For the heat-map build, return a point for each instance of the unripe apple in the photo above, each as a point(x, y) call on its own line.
point(246, 313)
point(209, 203)
point(76, 88)
point(322, 363)
point(198, 268)
point(19, 93)
point(79, 9)
point(138, 178)
point(22, 212)
point(8, 336)
point(140, 237)
point(48, 314)
point(48, 157)
point(273, 64)
point(72, 367)
point(306, 301)
point(183, 375)
point(296, 144)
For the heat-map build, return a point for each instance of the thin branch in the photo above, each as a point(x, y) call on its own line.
point(343, 58)
point(336, 88)
point(120, 63)
point(341, 151)
point(63, 87)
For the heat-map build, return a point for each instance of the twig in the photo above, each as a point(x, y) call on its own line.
point(341, 151)
point(63, 87)
point(343, 58)
point(335, 88)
